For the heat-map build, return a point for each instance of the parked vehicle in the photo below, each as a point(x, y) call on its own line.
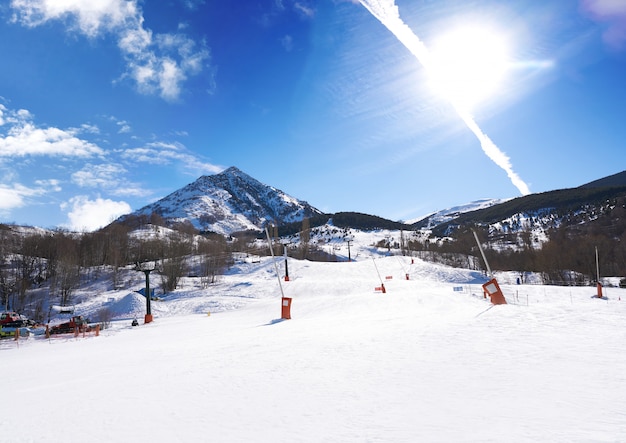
point(5, 332)
point(8, 329)
point(9, 316)
point(11, 321)
point(76, 323)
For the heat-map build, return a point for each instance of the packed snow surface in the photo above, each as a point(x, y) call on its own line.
point(428, 360)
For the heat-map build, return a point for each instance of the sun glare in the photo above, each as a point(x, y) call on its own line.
point(468, 65)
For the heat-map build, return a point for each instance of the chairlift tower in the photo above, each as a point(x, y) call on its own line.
point(147, 268)
point(286, 264)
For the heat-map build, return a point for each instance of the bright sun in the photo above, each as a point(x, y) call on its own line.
point(468, 65)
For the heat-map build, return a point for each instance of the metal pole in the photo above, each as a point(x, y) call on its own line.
point(146, 270)
point(382, 285)
point(286, 265)
point(148, 310)
point(597, 267)
point(269, 240)
point(148, 317)
point(378, 273)
point(483, 254)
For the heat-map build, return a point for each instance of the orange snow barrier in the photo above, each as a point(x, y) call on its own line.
point(492, 289)
point(286, 308)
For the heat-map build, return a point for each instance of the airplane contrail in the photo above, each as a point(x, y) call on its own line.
point(388, 14)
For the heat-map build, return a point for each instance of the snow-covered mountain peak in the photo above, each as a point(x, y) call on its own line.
point(448, 214)
point(228, 202)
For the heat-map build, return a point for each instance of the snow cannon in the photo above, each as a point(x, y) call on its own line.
point(492, 289)
point(286, 308)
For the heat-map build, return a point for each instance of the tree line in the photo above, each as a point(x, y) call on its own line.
point(40, 268)
point(567, 257)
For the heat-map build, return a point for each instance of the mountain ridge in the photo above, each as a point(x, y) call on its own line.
point(227, 202)
point(618, 179)
point(561, 205)
point(233, 201)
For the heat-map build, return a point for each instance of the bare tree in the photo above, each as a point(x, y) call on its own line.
point(176, 248)
point(67, 271)
point(117, 250)
point(305, 238)
point(214, 259)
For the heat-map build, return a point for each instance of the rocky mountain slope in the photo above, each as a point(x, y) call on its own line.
point(227, 202)
point(233, 201)
point(581, 207)
point(449, 214)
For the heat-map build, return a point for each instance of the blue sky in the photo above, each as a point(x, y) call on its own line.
point(108, 106)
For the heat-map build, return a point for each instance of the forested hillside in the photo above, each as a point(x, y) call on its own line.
point(552, 233)
point(43, 268)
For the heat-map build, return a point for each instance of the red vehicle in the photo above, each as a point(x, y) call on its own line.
point(9, 316)
point(76, 323)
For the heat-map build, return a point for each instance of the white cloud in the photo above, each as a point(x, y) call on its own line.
point(160, 153)
point(170, 77)
point(13, 196)
point(88, 215)
point(108, 177)
point(91, 129)
point(304, 10)
point(122, 125)
point(192, 4)
point(135, 42)
point(131, 190)
point(93, 176)
point(24, 138)
point(287, 42)
point(90, 17)
point(51, 184)
point(10, 198)
point(124, 128)
point(158, 64)
point(165, 68)
point(2, 110)
point(146, 155)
